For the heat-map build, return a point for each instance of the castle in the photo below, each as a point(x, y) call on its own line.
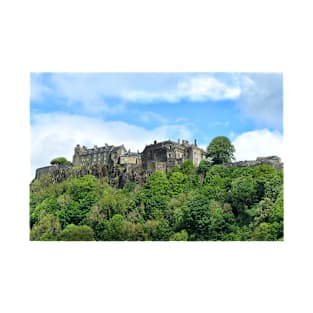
point(121, 166)
point(163, 156)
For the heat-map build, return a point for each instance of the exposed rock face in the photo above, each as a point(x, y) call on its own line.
point(116, 176)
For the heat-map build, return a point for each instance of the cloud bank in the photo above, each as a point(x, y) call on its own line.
point(262, 98)
point(252, 144)
point(54, 135)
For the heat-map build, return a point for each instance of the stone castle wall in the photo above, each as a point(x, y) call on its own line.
point(275, 161)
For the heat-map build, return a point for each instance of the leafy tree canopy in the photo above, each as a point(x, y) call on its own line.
point(77, 233)
point(221, 150)
point(60, 161)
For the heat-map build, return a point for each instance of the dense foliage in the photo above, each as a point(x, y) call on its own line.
point(60, 161)
point(189, 203)
point(221, 150)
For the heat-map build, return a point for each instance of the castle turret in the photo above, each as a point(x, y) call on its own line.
point(76, 156)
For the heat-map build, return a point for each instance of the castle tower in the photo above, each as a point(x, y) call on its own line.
point(76, 156)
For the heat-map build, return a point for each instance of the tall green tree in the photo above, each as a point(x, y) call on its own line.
point(221, 150)
point(155, 195)
point(60, 161)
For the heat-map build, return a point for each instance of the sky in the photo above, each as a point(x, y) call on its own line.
point(135, 109)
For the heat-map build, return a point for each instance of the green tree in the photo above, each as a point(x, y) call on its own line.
point(177, 182)
point(221, 221)
point(119, 229)
point(217, 183)
point(267, 181)
point(221, 150)
point(60, 161)
point(155, 195)
point(203, 167)
point(196, 217)
point(190, 171)
point(243, 194)
point(181, 236)
point(263, 211)
point(266, 232)
point(83, 193)
point(273, 187)
point(48, 205)
point(77, 233)
point(188, 168)
point(48, 228)
point(158, 230)
point(277, 214)
point(114, 228)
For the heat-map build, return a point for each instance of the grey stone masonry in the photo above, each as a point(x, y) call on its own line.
point(274, 160)
point(167, 154)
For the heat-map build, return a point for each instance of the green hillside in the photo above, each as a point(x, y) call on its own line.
point(205, 203)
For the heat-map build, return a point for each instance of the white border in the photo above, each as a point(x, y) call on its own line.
point(155, 36)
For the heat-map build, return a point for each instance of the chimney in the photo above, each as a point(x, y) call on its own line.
point(155, 142)
point(195, 142)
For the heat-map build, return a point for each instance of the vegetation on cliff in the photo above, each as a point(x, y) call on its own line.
point(189, 203)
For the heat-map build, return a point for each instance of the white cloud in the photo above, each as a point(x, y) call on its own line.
point(207, 88)
point(198, 88)
point(54, 135)
point(88, 91)
point(253, 144)
point(150, 96)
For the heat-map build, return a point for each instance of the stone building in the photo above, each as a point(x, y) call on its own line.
point(107, 155)
point(157, 156)
point(135, 166)
point(166, 154)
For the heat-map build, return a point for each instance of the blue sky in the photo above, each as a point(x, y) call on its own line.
point(136, 108)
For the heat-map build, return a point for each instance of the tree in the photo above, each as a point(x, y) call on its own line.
point(181, 236)
point(266, 232)
point(77, 233)
point(177, 182)
point(47, 229)
point(155, 194)
point(188, 168)
point(216, 183)
point(158, 230)
point(60, 161)
point(243, 194)
point(196, 217)
point(202, 168)
point(221, 150)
